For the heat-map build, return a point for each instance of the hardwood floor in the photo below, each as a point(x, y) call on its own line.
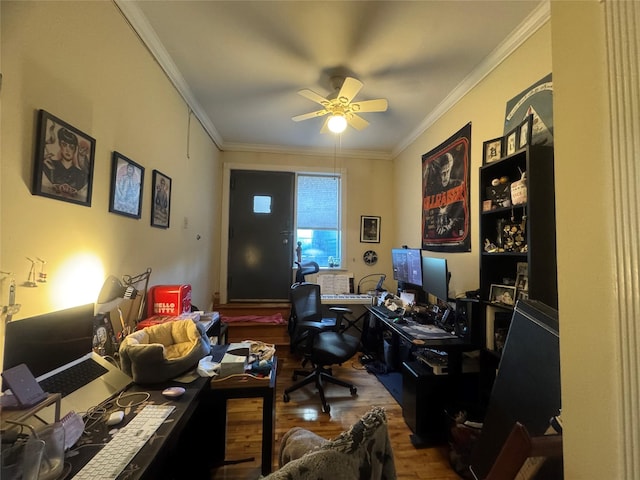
point(304, 409)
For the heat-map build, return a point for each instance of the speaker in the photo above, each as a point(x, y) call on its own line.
point(469, 321)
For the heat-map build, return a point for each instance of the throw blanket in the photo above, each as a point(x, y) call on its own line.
point(363, 452)
point(275, 318)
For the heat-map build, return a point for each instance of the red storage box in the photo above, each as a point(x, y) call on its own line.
point(168, 300)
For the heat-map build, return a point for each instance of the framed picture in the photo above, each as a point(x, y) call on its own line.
point(524, 132)
point(502, 294)
point(522, 282)
point(512, 141)
point(492, 150)
point(523, 295)
point(64, 161)
point(522, 268)
point(369, 229)
point(127, 181)
point(160, 200)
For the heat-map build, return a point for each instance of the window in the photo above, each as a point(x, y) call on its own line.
point(319, 218)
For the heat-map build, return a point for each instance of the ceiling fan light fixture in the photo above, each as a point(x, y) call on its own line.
point(337, 123)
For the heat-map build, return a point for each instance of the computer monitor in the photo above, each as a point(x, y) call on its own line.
point(435, 277)
point(407, 266)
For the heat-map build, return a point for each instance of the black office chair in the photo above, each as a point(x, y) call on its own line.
point(320, 344)
point(305, 269)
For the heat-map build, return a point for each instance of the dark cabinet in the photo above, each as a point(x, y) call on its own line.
point(523, 233)
point(518, 243)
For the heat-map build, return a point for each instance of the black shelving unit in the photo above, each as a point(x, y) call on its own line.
point(500, 265)
point(539, 223)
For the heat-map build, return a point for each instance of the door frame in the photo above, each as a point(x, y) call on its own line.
point(224, 214)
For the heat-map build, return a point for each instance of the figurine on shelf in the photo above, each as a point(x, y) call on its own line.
point(489, 247)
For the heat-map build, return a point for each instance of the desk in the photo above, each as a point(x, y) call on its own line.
point(453, 346)
point(150, 462)
point(220, 393)
point(425, 396)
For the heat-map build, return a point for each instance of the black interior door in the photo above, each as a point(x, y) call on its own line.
point(260, 235)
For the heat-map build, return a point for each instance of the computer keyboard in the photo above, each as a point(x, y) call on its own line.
point(385, 312)
point(71, 379)
point(125, 444)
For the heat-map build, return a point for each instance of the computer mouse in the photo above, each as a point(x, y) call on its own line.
point(115, 418)
point(173, 392)
point(401, 321)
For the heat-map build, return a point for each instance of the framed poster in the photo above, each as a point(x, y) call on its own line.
point(127, 180)
point(537, 100)
point(524, 132)
point(369, 229)
point(160, 200)
point(492, 150)
point(445, 201)
point(64, 161)
point(512, 141)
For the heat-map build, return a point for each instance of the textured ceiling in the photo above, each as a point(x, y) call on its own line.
point(239, 64)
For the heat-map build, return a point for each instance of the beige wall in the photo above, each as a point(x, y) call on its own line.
point(484, 107)
point(100, 78)
point(585, 237)
point(81, 62)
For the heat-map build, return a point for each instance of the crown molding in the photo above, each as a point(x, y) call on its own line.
point(538, 18)
point(138, 22)
point(147, 34)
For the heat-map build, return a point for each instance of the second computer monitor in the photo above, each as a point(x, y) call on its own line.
point(407, 266)
point(435, 277)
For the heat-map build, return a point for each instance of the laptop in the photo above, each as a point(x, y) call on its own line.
point(58, 343)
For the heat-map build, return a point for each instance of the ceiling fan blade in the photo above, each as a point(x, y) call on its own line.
point(379, 105)
point(306, 116)
point(350, 89)
point(325, 126)
point(357, 122)
point(314, 97)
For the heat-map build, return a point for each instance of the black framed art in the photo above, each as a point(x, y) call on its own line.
point(492, 150)
point(511, 141)
point(64, 161)
point(524, 132)
point(369, 229)
point(127, 181)
point(160, 200)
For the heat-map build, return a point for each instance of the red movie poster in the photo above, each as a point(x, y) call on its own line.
point(445, 187)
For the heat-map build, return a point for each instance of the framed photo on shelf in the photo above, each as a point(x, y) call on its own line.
point(522, 282)
point(522, 268)
point(369, 229)
point(512, 141)
point(524, 132)
point(503, 294)
point(492, 150)
point(64, 161)
point(160, 200)
point(127, 180)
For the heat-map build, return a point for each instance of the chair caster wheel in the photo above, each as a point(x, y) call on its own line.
point(285, 398)
point(354, 390)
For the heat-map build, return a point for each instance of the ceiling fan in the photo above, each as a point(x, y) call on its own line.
point(339, 106)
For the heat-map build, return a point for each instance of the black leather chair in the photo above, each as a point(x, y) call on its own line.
point(321, 344)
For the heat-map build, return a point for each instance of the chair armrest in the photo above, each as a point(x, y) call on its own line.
point(341, 310)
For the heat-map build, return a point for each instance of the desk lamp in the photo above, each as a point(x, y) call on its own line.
point(379, 286)
point(113, 289)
